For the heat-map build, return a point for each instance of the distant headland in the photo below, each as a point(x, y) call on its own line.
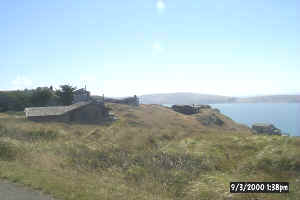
point(196, 98)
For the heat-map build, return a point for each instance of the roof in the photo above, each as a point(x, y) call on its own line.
point(53, 110)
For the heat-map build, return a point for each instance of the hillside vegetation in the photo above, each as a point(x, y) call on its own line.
point(151, 152)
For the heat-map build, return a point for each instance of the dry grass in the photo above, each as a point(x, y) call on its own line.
point(150, 153)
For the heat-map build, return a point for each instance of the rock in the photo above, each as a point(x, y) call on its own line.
point(189, 110)
point(270, 129)
point(216, 110)
point(112, 116)
point(210, 120)
point(184, 109)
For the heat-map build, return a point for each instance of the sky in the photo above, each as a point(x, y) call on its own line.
point(121, 48)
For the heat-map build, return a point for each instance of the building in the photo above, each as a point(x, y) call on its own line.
point(81, 95)
point(82, 112)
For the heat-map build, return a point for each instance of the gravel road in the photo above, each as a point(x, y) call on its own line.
point(12, 191)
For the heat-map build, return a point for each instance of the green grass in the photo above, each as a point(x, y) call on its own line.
point(150, 153)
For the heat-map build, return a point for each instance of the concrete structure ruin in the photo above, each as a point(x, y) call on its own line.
point(82, 112)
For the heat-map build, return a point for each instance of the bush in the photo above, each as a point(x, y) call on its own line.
point(8, 151)
point(40, 135)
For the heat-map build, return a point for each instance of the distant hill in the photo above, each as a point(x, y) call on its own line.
point(271, 99)
point(184, 98)
point(194, 98)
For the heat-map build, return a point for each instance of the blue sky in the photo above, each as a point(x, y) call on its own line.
point(121, 48)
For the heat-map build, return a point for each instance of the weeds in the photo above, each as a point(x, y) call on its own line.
point(83, 157)
point(40, 134)
point(29, 136)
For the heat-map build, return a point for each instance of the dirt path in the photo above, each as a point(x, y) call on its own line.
point(11, 191)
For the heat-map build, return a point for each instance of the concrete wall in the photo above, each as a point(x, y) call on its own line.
point(91, 113)
point(60, 118)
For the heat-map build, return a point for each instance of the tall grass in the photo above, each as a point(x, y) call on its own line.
point(30, 136)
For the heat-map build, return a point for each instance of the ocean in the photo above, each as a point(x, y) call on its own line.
point(285, 116)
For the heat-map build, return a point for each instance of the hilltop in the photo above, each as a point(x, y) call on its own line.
point(150, 152)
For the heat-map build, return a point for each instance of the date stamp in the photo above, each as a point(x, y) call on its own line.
point(259, 187)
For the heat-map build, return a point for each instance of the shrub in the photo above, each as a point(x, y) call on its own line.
point(8, 151)
point(40, 135)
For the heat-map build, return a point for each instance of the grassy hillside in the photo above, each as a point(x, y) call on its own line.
point(151, 152)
